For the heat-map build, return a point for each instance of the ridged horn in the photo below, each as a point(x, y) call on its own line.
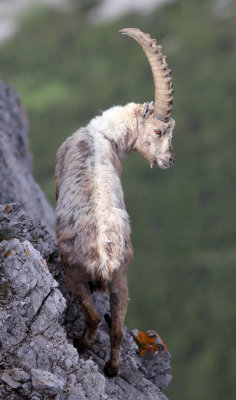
point(160, 71)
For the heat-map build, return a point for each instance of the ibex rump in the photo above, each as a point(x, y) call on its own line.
point(92, 223)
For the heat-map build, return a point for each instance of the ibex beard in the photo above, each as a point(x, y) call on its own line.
point(92, 223)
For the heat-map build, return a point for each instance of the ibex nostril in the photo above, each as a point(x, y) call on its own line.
point(172, 160)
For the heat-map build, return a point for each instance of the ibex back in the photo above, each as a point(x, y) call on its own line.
point(92, 223)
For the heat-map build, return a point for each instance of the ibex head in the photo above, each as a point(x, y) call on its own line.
point(154, 125)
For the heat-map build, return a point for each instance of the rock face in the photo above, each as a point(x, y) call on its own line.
point(38, 317)
point(39, 320)
point(16, 181)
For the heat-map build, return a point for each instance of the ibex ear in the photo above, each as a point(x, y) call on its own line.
point(147, 110)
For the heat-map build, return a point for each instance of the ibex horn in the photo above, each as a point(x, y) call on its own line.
point(160, 71)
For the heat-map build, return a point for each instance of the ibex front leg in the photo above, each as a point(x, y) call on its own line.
point(118, 304)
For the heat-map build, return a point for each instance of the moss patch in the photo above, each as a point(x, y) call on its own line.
point(5, 293)
point(5, 234)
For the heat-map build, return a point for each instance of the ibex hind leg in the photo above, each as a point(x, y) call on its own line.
point(77, 282)
point(118, 305)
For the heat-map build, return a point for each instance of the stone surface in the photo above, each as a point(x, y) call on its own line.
point(18, 375)
point(39, 320)
point(16, 181)
point(46, 383)
point(8, 379)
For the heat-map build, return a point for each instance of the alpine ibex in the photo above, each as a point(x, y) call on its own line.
point(92, 223)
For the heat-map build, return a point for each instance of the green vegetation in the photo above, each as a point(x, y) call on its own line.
point(182, 279)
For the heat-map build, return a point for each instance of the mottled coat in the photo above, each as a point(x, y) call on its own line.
point(91, 220)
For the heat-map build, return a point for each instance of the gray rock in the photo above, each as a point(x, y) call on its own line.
point(15, 223)
point(16, 181)
point(18, 375)
point(11, 382)
point(46, 383)
point(39, 320)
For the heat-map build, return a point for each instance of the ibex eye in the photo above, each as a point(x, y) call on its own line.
point(157, 131)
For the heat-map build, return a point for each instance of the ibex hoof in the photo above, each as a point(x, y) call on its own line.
point(81, 344)
point(111, 370)
point(108, 320)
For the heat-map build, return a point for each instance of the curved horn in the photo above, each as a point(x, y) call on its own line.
point(160, 71)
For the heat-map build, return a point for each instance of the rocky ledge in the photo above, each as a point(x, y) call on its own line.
point(39, 320)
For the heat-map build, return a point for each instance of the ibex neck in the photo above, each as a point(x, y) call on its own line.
point(119, 125)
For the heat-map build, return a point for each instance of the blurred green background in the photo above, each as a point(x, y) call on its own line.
point(182, 278)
